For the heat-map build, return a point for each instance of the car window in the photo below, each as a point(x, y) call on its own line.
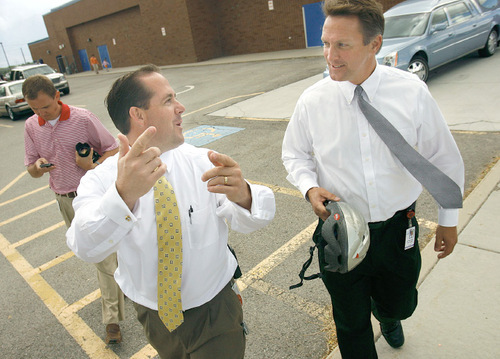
point(2, 91)
point(405, 25)
point(439, 17)
point(458, 12)
point(488, 4)
point(42, 70)
point(16, 88)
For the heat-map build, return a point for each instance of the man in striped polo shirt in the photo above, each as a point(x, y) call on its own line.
point(50, 137)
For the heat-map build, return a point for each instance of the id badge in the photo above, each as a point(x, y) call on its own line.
point(410, 238)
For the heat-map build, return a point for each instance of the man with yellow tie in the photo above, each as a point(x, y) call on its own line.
point(162, 205)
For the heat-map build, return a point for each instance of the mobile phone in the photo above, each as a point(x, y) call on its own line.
point(46, 165)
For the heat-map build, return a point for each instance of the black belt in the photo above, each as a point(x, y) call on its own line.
point(407, 213)
point(69, 194)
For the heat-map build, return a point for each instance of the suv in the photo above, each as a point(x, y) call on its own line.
point(23, 72)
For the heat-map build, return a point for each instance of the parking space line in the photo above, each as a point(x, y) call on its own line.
point(258, 119)
point(146, 352)
point(7, 126)
point(278, 189)
point(74, 325)
point(314, 310)
point(83, 302)
point(12, 219)
point(276, 258)
point(38, 234)
point(218, 103)
point(13, 182)
point(54, 262)
point(24, 195)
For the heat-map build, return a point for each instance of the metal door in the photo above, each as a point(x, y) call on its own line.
point(104, 55)
point(313, 23)
point(84, 59)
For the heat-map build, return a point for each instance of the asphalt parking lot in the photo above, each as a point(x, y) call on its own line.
point(49, 306)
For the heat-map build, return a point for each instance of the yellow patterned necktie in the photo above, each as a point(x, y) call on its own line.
point(168, 229)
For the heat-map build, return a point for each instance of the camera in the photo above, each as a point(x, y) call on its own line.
point(83, 150)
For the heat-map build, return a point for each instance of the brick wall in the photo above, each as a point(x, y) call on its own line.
point(195, 30)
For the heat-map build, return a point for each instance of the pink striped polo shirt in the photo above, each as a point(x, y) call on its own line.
point(57, 144)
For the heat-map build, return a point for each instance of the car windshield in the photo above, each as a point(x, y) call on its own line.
point(405, 25)
point(42, 70)
point(16, 88)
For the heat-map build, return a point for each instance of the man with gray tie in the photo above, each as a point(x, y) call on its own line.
point(353, 137)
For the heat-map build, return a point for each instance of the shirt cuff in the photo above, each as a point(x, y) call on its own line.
point(114, 208)
point(448, 217)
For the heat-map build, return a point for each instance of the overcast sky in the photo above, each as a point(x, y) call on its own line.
point(21, 22)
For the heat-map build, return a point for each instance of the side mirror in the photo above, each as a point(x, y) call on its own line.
point(438, 27)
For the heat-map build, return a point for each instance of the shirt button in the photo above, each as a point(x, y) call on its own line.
point(128, 219)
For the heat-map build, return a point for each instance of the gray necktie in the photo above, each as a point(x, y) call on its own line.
point(444, 190)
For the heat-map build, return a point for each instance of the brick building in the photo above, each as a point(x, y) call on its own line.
point(163, 32)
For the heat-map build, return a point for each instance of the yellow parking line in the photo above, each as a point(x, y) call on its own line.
point(74, 325)
point(278, 189)
point(83, 302)
point(38, 234)
point(145, 353)
point(12, 219)
point(23, 195)
point(314, 310)
point(278, 257)
point(258, 119)
point(13, 182)
point(7, 126)
point(54, 262)
point(218, 103)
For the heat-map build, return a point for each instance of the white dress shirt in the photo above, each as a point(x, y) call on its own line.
point(330, 144)
point(103, 224)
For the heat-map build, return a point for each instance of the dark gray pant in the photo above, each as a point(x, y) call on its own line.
point(212, 330)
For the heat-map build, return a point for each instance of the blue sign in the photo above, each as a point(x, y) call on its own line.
point(202, 135)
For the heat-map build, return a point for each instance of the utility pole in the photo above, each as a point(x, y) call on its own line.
point(23, 56)
point(1, 43)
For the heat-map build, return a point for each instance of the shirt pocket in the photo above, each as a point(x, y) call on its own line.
point(202, 228)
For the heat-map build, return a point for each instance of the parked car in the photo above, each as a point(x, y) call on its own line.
point(12, 102)
point(23, 72)
point(421, 35)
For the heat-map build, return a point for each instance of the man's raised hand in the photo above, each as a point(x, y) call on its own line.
point(226, 177)
point(139, 167)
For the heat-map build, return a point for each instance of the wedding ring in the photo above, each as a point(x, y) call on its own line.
point(156, 169)
point(225, 180)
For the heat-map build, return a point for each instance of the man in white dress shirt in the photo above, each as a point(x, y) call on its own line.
point(331, 152)
point(115, 212)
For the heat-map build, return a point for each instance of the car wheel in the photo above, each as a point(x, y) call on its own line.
point(418, 66)
point(491, 45)
point(65, 91)
point(11, 114)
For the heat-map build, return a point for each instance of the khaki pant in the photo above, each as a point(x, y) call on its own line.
point(113, 301)
point(213, 330)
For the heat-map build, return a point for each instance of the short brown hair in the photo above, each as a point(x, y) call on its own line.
point(129, 91)
point(36, 83)
point(369, 12)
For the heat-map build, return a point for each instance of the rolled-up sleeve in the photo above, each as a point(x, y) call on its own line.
point(101, 221)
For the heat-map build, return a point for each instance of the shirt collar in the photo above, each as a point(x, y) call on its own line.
point(370, 86)
point(65, 112)
point(168, 159)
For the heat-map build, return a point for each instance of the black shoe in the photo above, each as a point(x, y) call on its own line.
point(393, 333)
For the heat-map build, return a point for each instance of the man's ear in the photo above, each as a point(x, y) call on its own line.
point(136, 114)
point(377, 43)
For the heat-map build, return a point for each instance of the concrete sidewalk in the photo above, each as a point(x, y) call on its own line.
point(458, 314)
